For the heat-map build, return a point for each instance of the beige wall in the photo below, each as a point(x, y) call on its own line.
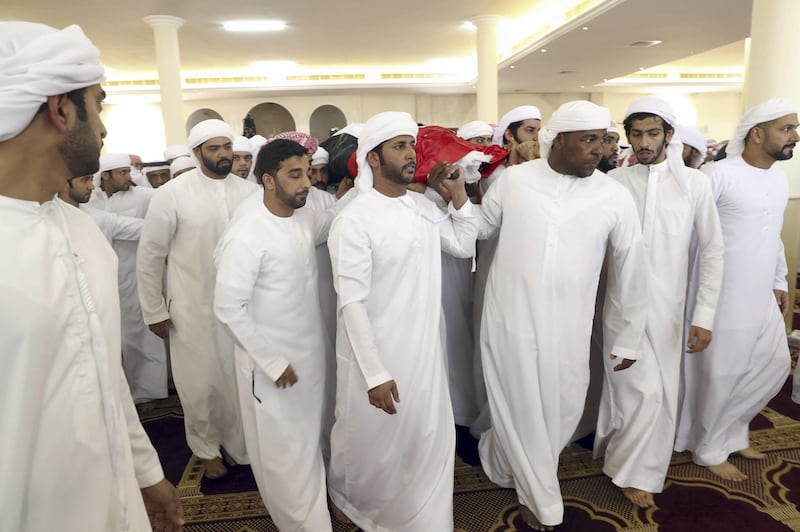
point(791, 242)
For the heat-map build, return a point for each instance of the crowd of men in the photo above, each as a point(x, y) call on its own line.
point(333, 338)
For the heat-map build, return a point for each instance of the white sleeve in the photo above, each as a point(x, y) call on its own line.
point(459, 231)
point(117, 226)
point(781, 269)
point(238, 270)
point(351, 261)
point(712, 250)
point(145, 459)
point(491, 209)
point(160, 225)
point(627, 280)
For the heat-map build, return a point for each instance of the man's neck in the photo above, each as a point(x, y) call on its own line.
point(211, 175)
point(757, 158)
point(105, 188)
point(65, 197)
point(388, 188)
point(276, 207)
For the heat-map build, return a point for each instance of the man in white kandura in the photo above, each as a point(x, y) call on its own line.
point(556, 216)
point(144, 357)
point(75, 456)
point(639, 407)
point(187, 216)
point(748, 361)
point(266, 296)
point(392, 459)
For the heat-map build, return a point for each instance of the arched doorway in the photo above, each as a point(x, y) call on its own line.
point(199, 115)
point(271, 118)
point(323, 119)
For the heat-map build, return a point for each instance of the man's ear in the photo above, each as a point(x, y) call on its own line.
point(268, 181)
point(508, 136)
point(60, 112)
point(668, 136)
point(373, 160)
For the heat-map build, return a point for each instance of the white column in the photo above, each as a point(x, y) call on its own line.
point(165, 33)
point(487, 66)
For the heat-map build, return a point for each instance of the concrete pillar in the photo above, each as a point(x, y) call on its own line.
point(487, 66)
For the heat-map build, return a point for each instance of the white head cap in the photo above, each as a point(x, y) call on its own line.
point(613, 128)
point(176, 150)
point(380, 128)
point(110, 161)
point(763, 112)
point(476, 128)
point(241, 143)
point(578, 115)
point(207, 130)
point(694, 138)
point(517, 114)
point(321, 156)
point(180, 163)
point(37, 61)
point(353, 129)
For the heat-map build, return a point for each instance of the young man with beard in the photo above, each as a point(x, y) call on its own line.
point(556, 217)
point(748, 361)
point(144, 356)
point(639, 408)
point(392, 459)
point(114, 226)
point(242, 156)
point(187, 216)
point(266, 294)
point(75, 456)
point(609, 160)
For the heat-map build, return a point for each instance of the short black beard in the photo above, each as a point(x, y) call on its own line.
point(781, 155)
point(604, 166)
point(215, 169)
point(399, 177)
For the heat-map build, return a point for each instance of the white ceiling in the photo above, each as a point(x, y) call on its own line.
point(697, 35)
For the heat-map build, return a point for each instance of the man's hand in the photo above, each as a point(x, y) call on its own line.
point(625, 364)
point(523, 152)
point(699, 339)
point(161, 329)
point(288, 378)
point(163, 507)
point(783, 300)
point(381, 397)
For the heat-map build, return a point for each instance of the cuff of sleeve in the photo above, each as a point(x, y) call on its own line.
point(466, 210)
point(782, 285)
point(151, 475)
point(274, 367)
point(377, 380)
point(624, 352)
point(156, 318)
point(703, 317)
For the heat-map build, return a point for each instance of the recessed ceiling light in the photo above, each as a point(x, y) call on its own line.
point(583, 86)
point(254, 25)
point(645, 44)
point(641, 68)
point(513, 66)
point(584, 29)
point(467, 25)
point(543, 50)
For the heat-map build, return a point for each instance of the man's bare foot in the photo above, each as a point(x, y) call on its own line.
point(752, 454)
point(641, 498)
point(531, 520)
point(338, 514)
point(727, 471)
point(215, 468)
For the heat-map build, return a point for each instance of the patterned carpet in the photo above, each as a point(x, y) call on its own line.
point(692, 500)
